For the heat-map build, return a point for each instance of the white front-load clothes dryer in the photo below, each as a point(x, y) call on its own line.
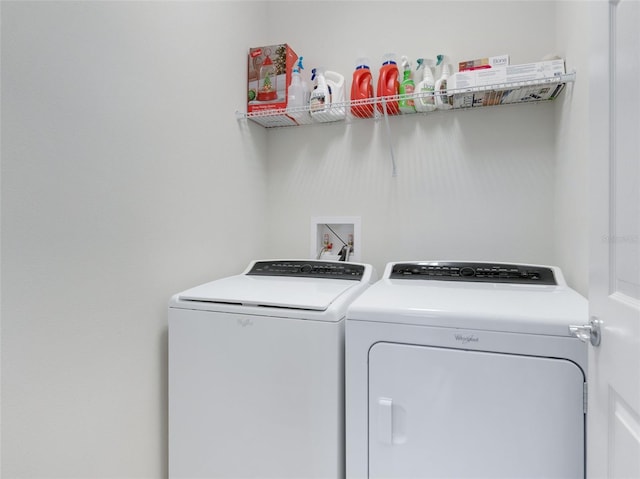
point(256, 372)
point(466, 370)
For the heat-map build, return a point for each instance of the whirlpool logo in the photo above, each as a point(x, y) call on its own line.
point(466, 338)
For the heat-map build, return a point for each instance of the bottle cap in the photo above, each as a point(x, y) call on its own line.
point(362, 62)
point(389, 59)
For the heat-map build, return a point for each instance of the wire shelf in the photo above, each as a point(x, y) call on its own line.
point(531, 91)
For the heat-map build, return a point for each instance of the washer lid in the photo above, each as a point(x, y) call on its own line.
point(279, 292)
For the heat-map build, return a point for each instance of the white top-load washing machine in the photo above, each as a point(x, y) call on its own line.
point(466, 370)
point(256, 371)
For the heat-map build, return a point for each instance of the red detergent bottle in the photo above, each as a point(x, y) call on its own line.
point(362, 90)
point(388, 84)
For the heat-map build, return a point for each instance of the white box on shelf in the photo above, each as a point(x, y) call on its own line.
point(508, 74)
point(535, 71)
point(500, 85)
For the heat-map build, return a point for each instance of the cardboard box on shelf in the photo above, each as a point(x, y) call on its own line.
point(496, 86)
point(535, 71)
point(506, 96)
point(499, 96)
point(483, 63)
point(509, 74)
point(269, 77)
point(533, 93)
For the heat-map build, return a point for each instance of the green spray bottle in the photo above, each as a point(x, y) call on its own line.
point(407, 87)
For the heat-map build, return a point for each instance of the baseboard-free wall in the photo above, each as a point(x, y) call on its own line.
point(125, 179)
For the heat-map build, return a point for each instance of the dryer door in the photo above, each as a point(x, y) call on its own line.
point(449, 413)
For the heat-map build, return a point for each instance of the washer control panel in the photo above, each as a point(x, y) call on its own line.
point(474, 272)
point(308, 269)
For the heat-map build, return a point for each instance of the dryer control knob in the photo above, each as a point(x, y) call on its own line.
point(466, 271)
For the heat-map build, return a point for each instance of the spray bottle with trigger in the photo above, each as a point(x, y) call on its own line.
point(407, 87)
point(321, 95)
point(443, 101)
point(306, 92)
point(328, 96)
point(295, 96)
point(296, 93)
point(424, 90)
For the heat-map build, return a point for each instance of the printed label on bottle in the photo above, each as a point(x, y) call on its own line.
point(409, 89)
point(442, 92)
point(426, 98)
point(317, 104)
point(444, 102)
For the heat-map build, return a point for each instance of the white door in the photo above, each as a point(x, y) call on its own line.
point(613, 420)
point(450, 413)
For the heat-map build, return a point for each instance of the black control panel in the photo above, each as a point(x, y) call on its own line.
point(308, 269)
point(474, 272)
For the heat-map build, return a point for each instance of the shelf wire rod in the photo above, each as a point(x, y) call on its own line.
point(394, 170)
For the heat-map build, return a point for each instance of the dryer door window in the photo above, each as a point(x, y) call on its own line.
point(449, 413)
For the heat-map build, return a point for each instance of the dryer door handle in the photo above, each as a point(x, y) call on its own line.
point(385, 420)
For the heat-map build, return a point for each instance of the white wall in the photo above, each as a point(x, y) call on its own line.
point(572, 192)
point(470, 185)
point(125, 178)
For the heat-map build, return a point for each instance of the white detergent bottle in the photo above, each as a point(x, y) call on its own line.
point(336, 84)
point(443, 101)
point(425, 100)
